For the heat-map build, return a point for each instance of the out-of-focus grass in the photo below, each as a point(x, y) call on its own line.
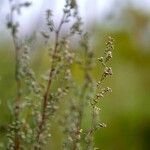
point(6, 81)
point(126, 111)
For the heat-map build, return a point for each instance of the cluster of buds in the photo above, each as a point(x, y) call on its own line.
point(108, 51)
point(68, 74)
point(107, 72)
point(109, 45)
point(26, 72)
point(106, 58)
point(50, 22)
point(100, 95)
point(101, 92)
point(69, 56)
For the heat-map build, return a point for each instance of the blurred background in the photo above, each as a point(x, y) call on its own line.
point(127, 110)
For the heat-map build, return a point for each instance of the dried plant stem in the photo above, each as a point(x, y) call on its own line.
point(82, 105)
point(18, 95)
point(81, 112)
point(17, 79)
point(47, 93)
point(91, 131)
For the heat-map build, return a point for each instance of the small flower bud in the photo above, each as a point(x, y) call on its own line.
point(101, 59)
point(102, 125)
point(109, 54)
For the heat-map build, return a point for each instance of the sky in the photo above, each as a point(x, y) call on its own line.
point(89, 9)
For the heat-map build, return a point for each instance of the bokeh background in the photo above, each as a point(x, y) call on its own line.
point(127, 110)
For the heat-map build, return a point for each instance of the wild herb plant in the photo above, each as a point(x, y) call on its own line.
point(38, 101)
point(15, 128)
point(101, 91)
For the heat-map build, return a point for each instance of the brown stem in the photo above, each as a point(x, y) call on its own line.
point(17, 79)
point(47, 93)
point(18, 95)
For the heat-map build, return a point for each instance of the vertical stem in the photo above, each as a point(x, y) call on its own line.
point(18, 94)
point(47, 93)
point(89, 145)
point(81, 98)
point(17, 79)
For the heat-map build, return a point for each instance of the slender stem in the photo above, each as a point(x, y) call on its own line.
point(81, 107)
point(81, 112)
point(89, 145)
point(17, 79)
point(18, 94)
point(47, 93)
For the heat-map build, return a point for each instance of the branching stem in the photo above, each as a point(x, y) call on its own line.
point(47, 93)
